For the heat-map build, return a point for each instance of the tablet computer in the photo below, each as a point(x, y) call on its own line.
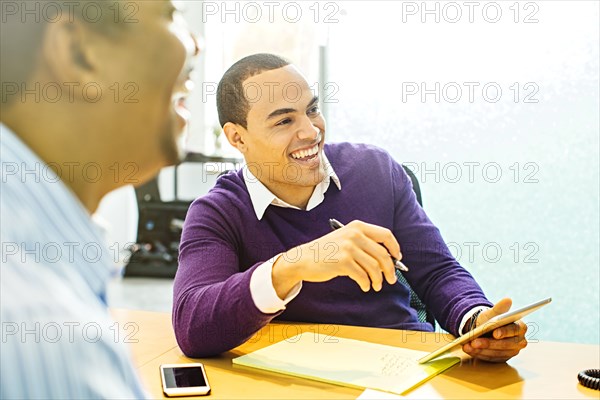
point(493, 323)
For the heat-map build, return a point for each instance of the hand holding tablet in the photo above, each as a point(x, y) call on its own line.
point(490, 325)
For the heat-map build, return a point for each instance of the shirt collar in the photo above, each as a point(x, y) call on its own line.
point(261, 197)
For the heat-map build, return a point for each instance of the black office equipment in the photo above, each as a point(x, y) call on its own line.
point(159, 232)
point(590, 378)
point(160, 224)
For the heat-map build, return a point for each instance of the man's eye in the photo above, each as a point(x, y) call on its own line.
point(314, 110)
point(283, 122)
point(170, 13)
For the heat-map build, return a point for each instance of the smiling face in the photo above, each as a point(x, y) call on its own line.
point(284, 138)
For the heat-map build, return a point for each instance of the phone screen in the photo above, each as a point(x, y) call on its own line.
point(184, 377)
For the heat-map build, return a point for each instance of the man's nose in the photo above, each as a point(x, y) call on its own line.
point(307, 130)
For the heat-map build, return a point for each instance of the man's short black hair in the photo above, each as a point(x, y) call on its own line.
point(232, 104)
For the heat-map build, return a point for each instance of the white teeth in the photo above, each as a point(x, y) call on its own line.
point(306, 153)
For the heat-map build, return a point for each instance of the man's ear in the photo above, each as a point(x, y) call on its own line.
point(68, 53)
point(235, 135)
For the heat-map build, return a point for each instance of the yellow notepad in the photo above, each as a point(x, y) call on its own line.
point(347, 362)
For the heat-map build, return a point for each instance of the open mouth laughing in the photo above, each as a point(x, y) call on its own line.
point(308, 156)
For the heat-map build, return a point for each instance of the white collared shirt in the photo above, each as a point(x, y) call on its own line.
point(261, 283)
point(262, 197)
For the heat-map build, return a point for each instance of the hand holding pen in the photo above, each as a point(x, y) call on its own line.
point(335, 224)
point(360, 251)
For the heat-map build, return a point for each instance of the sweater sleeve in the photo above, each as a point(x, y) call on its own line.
point(213, 310)
point(447, 289)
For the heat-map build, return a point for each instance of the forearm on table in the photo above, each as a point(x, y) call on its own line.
point(215, 318)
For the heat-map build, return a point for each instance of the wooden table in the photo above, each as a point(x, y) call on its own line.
point(544, 370)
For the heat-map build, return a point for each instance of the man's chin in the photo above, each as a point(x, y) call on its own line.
point(311, 178)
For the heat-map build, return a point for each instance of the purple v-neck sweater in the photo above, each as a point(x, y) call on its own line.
point(223, 242)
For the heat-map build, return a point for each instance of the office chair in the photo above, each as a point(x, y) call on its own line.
point(423, 314)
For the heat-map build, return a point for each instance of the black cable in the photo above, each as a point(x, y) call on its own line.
point(590, 378)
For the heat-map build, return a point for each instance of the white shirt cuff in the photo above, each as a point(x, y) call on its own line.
point(263, 292)
point(468, 316)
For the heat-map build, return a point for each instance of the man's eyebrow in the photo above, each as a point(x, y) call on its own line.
point(314, 101)
point(282, 111)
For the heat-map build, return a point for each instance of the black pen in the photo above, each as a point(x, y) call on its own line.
point(335, 224)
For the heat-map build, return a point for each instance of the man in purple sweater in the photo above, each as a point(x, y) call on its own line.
point(259, 246)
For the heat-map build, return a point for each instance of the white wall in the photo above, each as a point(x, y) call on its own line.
point(542, 213)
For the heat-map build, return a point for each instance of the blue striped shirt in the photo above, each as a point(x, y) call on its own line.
point(58, 339)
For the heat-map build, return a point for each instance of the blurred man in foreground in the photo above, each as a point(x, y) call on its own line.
point(92, 98)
